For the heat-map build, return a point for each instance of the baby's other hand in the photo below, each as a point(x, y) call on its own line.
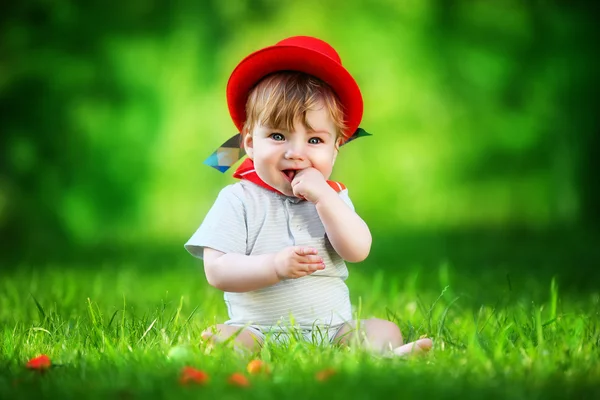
point(297, 261)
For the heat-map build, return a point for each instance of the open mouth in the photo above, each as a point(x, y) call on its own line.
point(289, 174)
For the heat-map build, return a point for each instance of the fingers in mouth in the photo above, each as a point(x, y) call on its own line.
point(289, 174)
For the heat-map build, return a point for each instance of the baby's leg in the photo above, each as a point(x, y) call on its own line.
point(245, 338)
point(380, 336)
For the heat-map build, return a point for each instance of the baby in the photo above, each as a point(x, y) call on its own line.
point(276, 241)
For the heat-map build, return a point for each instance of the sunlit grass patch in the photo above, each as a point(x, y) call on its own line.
point(130, 331)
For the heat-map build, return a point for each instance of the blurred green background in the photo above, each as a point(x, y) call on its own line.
point(484, 114)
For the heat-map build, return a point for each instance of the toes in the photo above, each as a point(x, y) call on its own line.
point(425, 344)
point(407, 349)
point(420, 346)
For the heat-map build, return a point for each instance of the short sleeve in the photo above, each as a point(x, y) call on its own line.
point(224, 228)
point(344, 196)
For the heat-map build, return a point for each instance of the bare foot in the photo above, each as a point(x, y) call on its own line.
point(416, 347)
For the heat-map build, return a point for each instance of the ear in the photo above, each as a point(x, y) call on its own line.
point(336, 150)
point(249, 145)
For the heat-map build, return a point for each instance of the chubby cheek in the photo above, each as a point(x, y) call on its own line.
point(264, 172)
point(324, 166)
point(268, 173)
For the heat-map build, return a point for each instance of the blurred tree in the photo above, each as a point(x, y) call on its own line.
point(52, 53)
point(544, 106)
point(83, 106)
point(60, 177)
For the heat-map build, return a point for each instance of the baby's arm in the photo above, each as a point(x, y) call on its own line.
point(237, 272)
point(231, 272)
point(348, 233)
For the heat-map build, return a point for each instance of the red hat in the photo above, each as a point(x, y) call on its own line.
point(298, 53)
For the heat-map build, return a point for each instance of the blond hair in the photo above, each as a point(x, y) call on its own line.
point(282, 98)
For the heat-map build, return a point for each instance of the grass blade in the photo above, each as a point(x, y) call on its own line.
point(148, 330)
point(39, 307)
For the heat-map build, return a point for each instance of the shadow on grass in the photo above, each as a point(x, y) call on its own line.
point(500, 257)
point(511, 258)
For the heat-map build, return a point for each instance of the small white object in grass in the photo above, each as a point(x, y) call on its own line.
point(180, 353)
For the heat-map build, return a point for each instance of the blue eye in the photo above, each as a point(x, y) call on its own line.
point(278, 137)
point(315, 140)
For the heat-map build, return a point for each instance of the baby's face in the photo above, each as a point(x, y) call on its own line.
point(278, 155)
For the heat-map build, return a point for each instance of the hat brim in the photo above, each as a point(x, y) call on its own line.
point(293, 58)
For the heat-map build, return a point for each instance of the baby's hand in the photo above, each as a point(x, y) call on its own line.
point(309, 184)
point(296, 262)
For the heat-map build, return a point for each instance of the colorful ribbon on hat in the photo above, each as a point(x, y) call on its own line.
point(232, 150)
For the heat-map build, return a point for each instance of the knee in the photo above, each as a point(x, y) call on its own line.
point(210, 332)
point(221, 333)
point(387, 331)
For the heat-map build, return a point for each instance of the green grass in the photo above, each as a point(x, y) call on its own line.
point(109, 330)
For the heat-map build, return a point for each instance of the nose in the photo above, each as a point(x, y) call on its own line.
point(295, 151)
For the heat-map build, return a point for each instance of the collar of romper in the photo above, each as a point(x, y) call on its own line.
point(246, 171)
